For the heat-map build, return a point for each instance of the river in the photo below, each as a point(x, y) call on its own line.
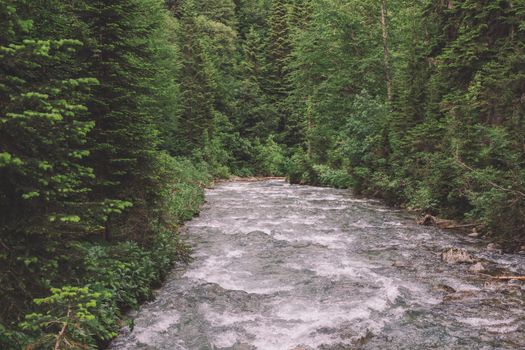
point(281, 267)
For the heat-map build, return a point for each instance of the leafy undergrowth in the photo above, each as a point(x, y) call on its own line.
point(92, 281)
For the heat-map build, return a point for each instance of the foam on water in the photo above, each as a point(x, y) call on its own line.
point(361, 224)
point(147, 332)
point(332, 242)
point(278, 266)
point(484, 322)
point(303, 322)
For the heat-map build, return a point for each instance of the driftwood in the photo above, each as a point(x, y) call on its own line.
point(429, 220)
point(508, 278)
point(454, 227)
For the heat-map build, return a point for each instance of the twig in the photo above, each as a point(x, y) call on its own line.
point(63, 330)
point(4, 245)
point(465, 166)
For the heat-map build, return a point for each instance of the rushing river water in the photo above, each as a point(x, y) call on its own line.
point(280, 267)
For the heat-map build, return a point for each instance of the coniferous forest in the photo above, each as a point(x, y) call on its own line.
point(114, 115)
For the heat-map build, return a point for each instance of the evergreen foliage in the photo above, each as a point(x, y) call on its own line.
point(450, 140)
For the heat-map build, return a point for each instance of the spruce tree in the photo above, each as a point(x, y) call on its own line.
point(44, 128)
point(197, 84)
point(121, 56)
point(256, 115)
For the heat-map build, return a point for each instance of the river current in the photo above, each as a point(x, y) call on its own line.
point(282, 267)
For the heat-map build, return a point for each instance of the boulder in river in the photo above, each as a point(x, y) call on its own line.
point(478, 267)
point(427, 220)
point(398, 263)
point(474, 233)
point(445, 288)
point(515, 282)
point(457, 256)
point(493, 247)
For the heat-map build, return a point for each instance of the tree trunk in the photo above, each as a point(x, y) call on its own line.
point(107, 231)
point(309, 127)
point(386, 54)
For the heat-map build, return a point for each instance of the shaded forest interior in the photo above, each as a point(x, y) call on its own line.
point(115, 114)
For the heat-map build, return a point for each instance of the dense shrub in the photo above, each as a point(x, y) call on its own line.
point(301, 170)
point(269, 158)
point(72, 318)
point(333, 177)
point(90, 281)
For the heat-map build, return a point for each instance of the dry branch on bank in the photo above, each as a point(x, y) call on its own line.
point(430, 220)
point(509, 278)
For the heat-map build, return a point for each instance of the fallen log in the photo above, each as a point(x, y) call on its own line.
point(508, 278)
point(453, 227)
point(430, 220)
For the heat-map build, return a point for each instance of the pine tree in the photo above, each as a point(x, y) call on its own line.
point(222, 11)
point(44, 128)
point(300, 14)
point(277, 83)
point(481, 46)
point(197, 85)
point(299, 121)
point(256, 116)
point(120, 54)
point(252, 14)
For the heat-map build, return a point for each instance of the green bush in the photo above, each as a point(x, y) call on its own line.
point(182, 191)
point(497, 203)
point(270, 158)
point(422, 199)
point(98, 278)
point(126, 270)
point(72, 318)
point(12, 339)
point(329, 177)
point(300, 170)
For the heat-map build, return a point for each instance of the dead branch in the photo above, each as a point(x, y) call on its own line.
point(453, 227)
point(508, 278)
point(62, 331)
point(495, 185)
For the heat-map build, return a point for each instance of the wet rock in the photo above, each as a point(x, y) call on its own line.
point(522, 249)
point(475, 233)
point(398, 263)
point(427, 220)
point(494, 247)
point(457, 256)
point(492, 285)
point(445, 288)
point(514, 282)
point(460, 296)
point(478, 267)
